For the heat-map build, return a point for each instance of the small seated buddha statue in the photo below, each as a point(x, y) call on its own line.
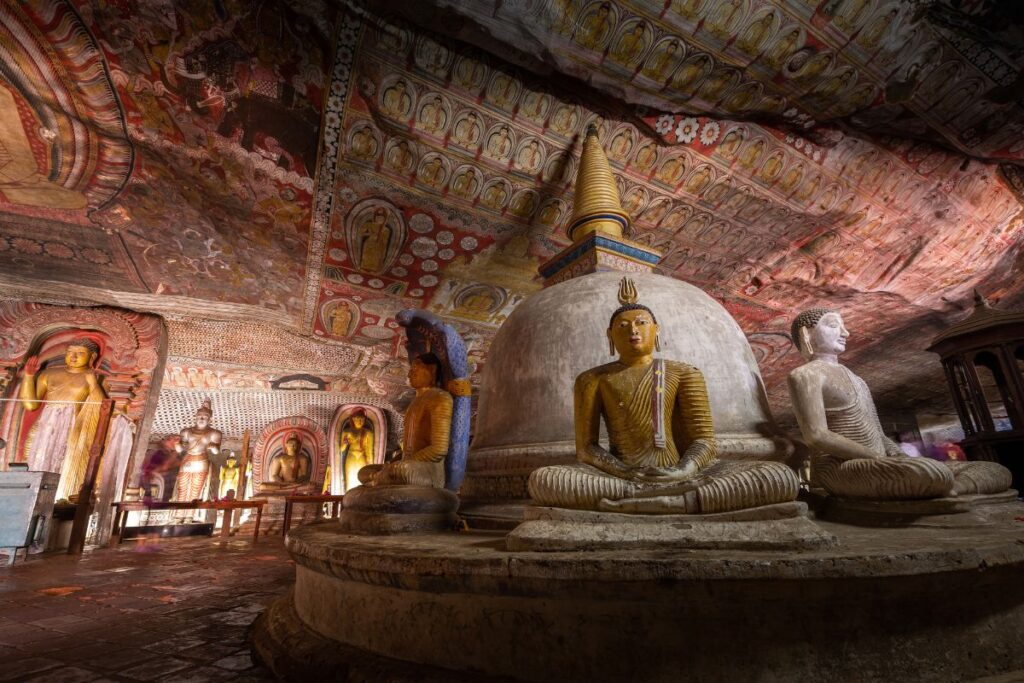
point(852, 457)
point(289, 469)
point(425, 441)
point(661, 457)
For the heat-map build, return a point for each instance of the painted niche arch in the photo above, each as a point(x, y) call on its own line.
point(132, 347)
point(376, 419)
point(271, 443)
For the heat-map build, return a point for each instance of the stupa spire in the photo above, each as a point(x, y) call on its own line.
point(597, 225)
point(596, 204)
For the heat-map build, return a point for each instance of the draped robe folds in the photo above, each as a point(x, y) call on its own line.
point(60, 443)
point(52, 431)
point(428, 424)
point(192, 477)
point(654, 421)
point(892, 475)
point(110, 481)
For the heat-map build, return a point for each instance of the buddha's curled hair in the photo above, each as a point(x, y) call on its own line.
point(809, 319)
point(86, 343)
point(629, 298)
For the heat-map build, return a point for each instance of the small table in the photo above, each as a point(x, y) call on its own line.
point(122, 508)
point(289, 501)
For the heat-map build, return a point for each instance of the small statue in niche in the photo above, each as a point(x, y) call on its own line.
point(662, 454)
point(197, 443)
point(356, 447)
point(290, 468)
point(63, 434)
point(229, 478)
point(853, 458)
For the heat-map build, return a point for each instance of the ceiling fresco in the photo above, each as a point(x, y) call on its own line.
point(936, 69)
point(179, 138)
point(331, 166)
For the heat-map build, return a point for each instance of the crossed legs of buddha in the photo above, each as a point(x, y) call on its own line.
point(722, 487)
point(899, 478)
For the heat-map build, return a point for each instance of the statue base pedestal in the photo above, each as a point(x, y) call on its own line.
point(398, 509)
point(779, 526)
point(882, 605)
point(942, 513)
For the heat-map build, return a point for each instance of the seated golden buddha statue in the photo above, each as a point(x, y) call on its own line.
point(290, 469)
point(409, 494)
point(852, 457)
point(428, 423)
point(661, 457)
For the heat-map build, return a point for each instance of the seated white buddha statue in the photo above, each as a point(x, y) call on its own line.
point(852, 457)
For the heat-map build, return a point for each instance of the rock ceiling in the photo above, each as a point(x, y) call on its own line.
point(316, 167)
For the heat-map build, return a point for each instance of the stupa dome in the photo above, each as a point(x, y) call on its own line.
point(525, 411)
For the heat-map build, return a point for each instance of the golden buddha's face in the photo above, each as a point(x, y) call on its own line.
point(358, 421)
point(421, 375)
point(633, 334)
point(77, 357)
point(231, 462)
point(291, 446)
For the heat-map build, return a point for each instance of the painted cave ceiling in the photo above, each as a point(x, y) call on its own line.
point(305, 170)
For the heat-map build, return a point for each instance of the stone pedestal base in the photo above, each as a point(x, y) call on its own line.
point(780, 526)
point(883, 605)
point(398, 509)
point(942, 513)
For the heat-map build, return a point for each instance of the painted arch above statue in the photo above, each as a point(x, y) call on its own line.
point(279, 466)
point(52, 357)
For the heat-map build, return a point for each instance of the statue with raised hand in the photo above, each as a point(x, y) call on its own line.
point(70, 397)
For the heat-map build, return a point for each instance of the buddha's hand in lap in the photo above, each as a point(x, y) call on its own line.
point(668, 489)
point(666, 475)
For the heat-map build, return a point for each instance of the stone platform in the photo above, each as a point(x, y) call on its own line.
point(940, 513)
point(783, 526)
point(884, 604)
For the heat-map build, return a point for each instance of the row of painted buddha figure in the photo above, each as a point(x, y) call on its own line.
point(661, 455)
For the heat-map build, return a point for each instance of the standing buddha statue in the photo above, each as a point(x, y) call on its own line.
point(197, 443)
point(356, 447)
point(228, 477)
point(661, 457)
point(64, 432)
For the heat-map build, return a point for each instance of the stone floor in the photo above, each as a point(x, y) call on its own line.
point(176, 611)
